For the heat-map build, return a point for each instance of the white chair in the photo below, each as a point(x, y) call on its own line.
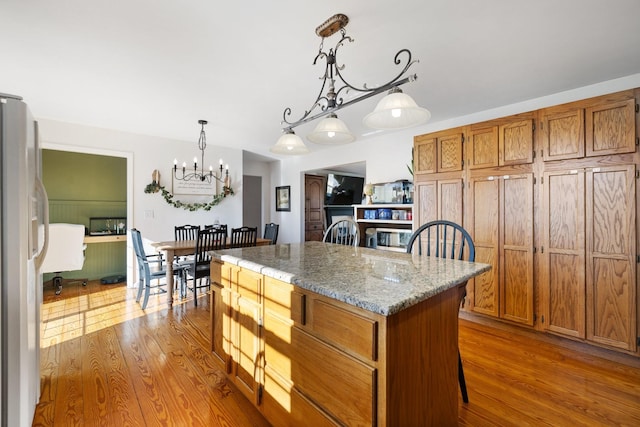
point(65, 252)
point(344, 231)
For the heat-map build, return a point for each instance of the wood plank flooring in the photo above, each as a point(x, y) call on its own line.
point(105, 362)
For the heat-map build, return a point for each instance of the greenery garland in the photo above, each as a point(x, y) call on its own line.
point(168, 197)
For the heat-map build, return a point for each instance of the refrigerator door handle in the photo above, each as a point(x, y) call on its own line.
point(39, 259)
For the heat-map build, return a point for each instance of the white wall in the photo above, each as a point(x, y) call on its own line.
point(150, 153)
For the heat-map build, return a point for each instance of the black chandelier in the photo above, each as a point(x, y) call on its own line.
point(395, 111)
point(211, 175)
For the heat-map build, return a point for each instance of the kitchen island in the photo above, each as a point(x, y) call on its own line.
point(322, 334)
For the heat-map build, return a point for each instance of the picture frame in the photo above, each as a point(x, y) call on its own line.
point(283, 198)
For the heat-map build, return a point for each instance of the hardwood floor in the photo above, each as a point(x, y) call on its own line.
point(106, 362)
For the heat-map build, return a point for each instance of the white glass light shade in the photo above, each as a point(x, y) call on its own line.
point(397, 110)
point(289, 143)
point(331, 130)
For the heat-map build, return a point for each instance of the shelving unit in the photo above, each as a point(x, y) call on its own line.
point(404, 221)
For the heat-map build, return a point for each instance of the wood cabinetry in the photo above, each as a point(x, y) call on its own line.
point(503, 142)
point(588, 262)
point(307, 359)
point(589, 128)
point(314, 192)
point(236, 316)
point(550, 199)
point(501, 223)
point(438, 152)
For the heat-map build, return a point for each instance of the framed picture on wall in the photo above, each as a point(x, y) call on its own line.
point(283, 198)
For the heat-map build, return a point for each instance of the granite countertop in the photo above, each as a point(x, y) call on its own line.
point(379, 281)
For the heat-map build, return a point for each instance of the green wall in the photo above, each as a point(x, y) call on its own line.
point(81, 186)
point(78, 176)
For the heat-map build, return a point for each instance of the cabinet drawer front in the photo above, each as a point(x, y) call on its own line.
point(282, 298)
point(249, 284)
point(335, 381)
point(348, 330)
point(341, 385)
point(283, 405)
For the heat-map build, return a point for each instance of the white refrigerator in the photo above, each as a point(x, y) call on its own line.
point(23, 237)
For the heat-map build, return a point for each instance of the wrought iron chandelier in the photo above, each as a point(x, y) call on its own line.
point(395, 111)
point(211, 175)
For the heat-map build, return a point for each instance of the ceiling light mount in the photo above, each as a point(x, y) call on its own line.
point(334, 88)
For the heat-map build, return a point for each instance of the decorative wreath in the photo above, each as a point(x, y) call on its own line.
point(154, 187)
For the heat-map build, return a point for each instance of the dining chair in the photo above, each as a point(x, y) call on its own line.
point(244, 237)
point(344, 231)
point(222, 227)
point(150, 267)
point(186, 232)
point(207, 239)
point(445, 239)
point(271, 232)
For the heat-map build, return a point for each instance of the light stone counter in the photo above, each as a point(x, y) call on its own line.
point(379, 281)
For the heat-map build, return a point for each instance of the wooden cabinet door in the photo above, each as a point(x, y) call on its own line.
point(563, 252)
point(424, 154)
point(450, 152)
point(610, 256)
point(450, 200)
point(502, 230)
point(515, 141)
point(562, 133)
point(483, 147)
point(438, 152)
point(610, 128)
point(314, 192)
point(438, 199)
point(483, 226)
point(220, 324)
point(425, 202)
point(516, 248)
point(245, 330)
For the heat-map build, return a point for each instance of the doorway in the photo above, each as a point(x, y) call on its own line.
point(252, 202)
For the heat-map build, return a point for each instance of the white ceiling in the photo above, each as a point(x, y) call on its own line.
point(157, 66)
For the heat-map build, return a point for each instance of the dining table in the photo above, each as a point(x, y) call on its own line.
point(173, 248)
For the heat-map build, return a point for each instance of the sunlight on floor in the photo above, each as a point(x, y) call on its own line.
point(74, 314)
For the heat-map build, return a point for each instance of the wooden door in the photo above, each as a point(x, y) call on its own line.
point(562, 133)
point(516, 248)
point(424, 154)
point(449, 156)
point(450, 200)
point(425, 203)
point(484, 200)
point(220, 324)
point(502, 230)
point(483, 147)
point(563, 252)
point(610, 128)
point(610, 256)
point(515, 141)
point(314, 193)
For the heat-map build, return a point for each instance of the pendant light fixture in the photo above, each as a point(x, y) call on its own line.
point(395, 111)
point(289, 143)
point(202, 176)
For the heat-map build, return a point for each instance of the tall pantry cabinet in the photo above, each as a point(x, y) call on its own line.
point(550, 199)
point(589, 209)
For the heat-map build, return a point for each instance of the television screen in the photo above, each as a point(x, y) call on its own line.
point(344, 189)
